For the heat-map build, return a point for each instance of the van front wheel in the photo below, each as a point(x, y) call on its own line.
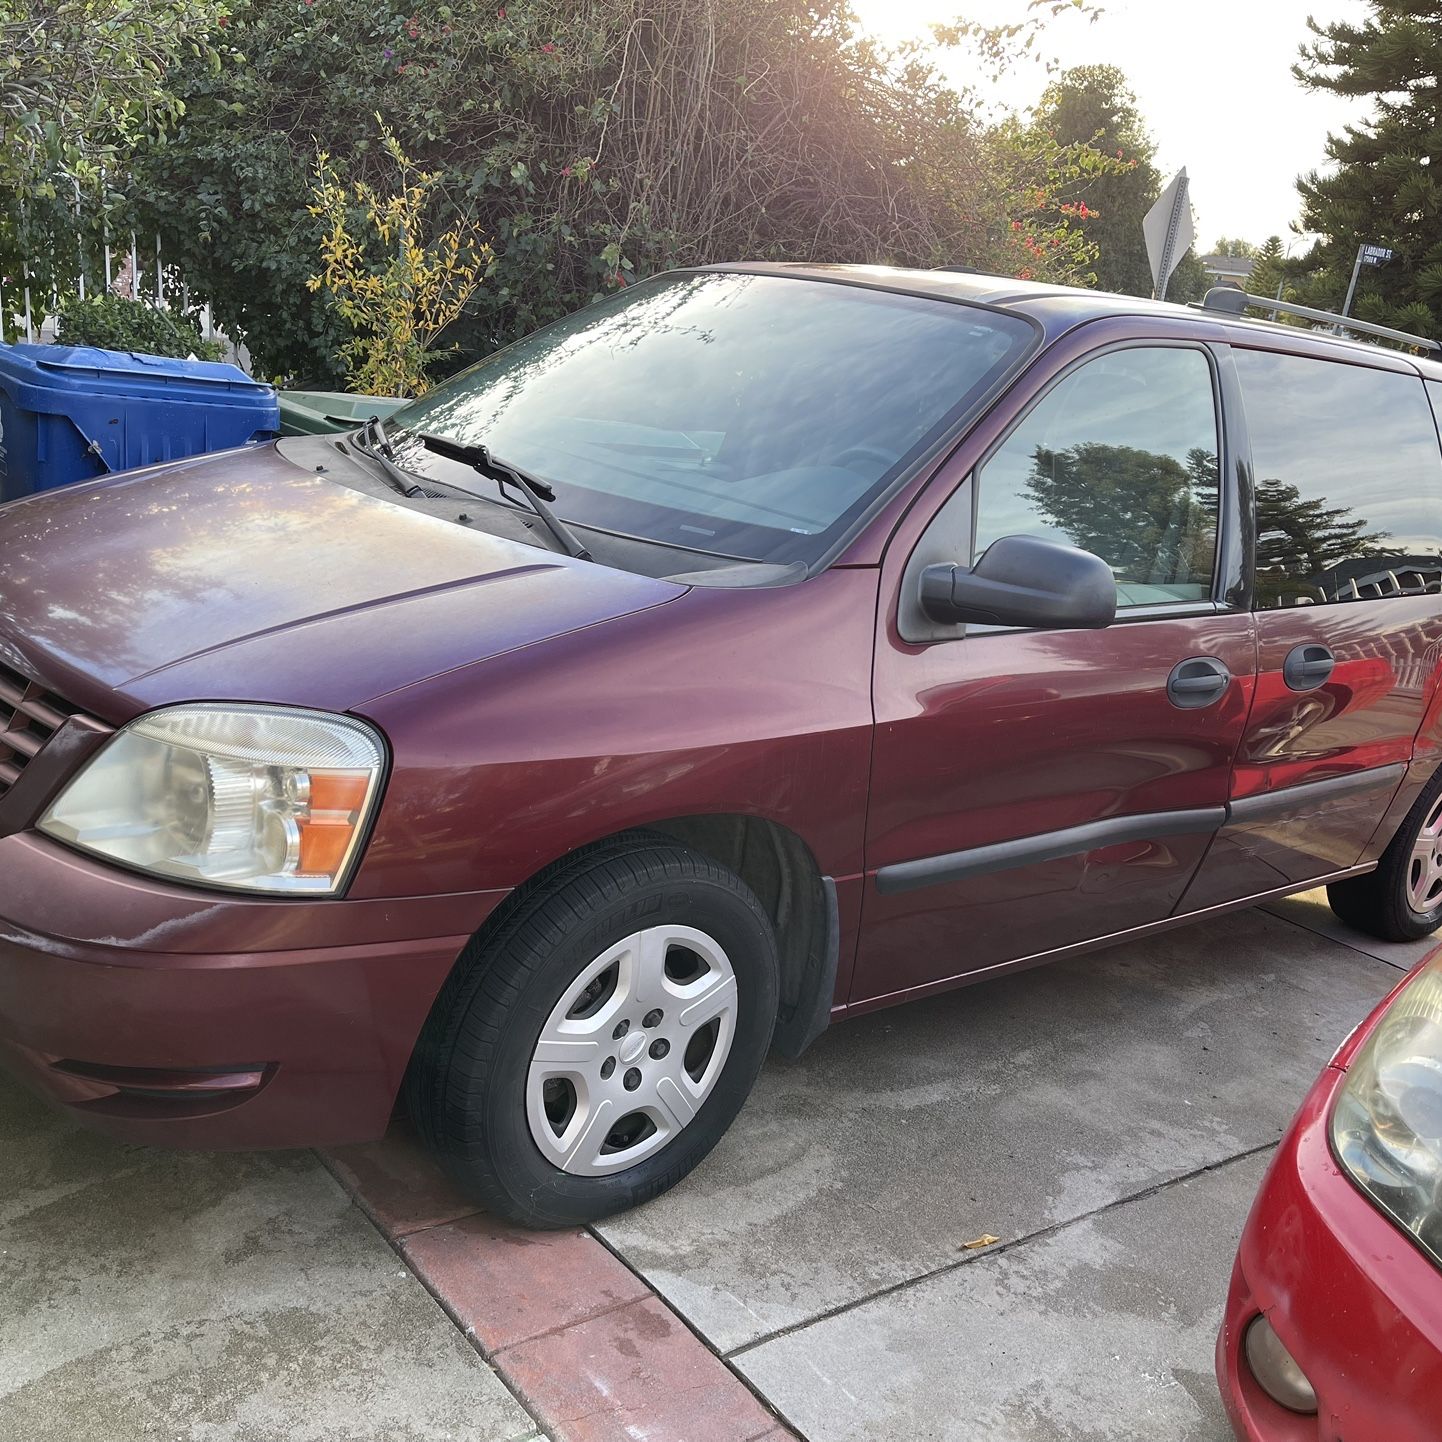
point(591, 1052)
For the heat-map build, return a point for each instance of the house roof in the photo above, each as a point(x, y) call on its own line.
point(1228, 264)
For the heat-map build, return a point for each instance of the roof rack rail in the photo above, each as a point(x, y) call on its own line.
point(1231, 301)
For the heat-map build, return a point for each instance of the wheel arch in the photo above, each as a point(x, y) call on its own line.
point(801, 902)
point(778, 866)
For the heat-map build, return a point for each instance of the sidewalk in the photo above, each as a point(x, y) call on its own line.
point(151, 1295)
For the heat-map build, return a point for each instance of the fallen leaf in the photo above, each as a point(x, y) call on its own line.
point(986, 1240)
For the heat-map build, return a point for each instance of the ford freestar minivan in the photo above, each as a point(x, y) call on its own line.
point(762, 645)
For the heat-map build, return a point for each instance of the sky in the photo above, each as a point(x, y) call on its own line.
point(1213, 83)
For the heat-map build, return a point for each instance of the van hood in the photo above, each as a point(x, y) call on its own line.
point(246, 576)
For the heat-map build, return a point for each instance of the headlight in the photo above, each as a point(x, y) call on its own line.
point(1387, 1124)
point(254, 798)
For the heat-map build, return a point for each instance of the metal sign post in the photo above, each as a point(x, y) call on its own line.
point(1366, 255)
point(1169, 232)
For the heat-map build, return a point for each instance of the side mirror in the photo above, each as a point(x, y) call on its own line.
point(1024, 581)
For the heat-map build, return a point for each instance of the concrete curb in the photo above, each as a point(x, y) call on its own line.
point(583, 1342)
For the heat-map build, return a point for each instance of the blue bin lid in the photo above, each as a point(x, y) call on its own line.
point(88, 368)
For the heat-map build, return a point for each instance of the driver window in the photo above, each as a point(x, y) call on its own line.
point(1119, 458)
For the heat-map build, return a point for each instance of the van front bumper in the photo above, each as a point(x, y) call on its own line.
point(179, 1018)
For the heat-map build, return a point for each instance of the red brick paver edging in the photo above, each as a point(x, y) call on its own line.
point(583, 1342)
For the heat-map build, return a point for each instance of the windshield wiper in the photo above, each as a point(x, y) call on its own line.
point(536, 492)
point(371, 441)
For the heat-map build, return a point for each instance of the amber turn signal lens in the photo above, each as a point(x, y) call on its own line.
point(335, 804)
point(343, 791)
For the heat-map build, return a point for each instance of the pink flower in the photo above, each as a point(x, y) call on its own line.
point(565, 170)
point(501, 13)
point(548, 49)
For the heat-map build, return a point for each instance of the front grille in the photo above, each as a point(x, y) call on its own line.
point(29, 717)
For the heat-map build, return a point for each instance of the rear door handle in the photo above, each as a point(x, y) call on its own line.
point(1198, 681)
point(1307, 667)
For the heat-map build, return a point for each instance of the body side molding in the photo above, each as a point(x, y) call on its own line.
point(1270, 805)
point(903, 876)
point(1049, 846)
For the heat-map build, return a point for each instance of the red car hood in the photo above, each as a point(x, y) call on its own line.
point(243, 576)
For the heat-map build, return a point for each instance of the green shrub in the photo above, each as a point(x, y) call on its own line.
point(115, 322)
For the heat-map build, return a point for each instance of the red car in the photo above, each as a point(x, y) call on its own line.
point(760, 646)
point(1333, 1327)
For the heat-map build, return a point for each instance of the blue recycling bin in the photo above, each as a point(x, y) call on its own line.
point(73, 413)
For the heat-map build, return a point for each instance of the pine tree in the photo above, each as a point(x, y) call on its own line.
point(1267, 273)
point(1387, 185)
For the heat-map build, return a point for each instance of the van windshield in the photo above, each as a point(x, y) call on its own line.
point(753, 416)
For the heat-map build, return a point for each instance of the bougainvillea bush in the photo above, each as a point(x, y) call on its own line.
point(592, 142)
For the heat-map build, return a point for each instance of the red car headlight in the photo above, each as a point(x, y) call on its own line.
point(1387, 1122)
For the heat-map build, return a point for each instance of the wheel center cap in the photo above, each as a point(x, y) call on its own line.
point(632, 1047)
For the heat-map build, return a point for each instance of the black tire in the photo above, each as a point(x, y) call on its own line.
point(467, 1083)
point(1377, 903)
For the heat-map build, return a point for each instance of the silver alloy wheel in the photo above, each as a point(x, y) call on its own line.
point(1424, 872)
point(631, 1051)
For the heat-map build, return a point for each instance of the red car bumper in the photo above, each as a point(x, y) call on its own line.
point(201, 1020)
point(1355, 1302)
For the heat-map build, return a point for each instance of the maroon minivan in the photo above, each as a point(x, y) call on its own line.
point(763, 645)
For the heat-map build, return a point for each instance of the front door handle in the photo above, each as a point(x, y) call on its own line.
point(1197, 682)
point(1307, 667)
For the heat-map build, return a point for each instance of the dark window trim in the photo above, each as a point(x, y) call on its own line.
point(1237, 549)
point(902, 876)
point(1433, 387)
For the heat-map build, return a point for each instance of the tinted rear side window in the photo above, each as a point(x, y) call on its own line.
point(1349, 481)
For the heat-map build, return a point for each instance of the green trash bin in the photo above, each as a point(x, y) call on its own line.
point(320, 413)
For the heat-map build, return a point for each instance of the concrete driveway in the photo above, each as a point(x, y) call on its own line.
point(1107, 1119)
